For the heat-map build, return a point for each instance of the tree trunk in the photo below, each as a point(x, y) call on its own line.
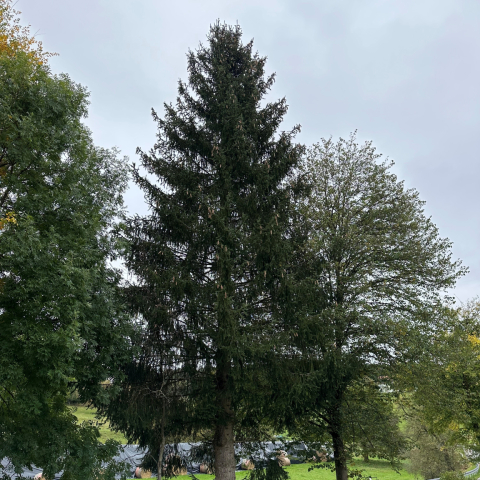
point(224, 452)
point(335, 430)
point(340, 457)
point(162, 444)
point(223, 442)
point(160, 460)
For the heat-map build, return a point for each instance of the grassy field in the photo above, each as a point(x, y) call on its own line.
point(86, 414)
point(377, 469)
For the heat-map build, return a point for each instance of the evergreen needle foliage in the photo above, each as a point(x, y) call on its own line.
point(209, 259)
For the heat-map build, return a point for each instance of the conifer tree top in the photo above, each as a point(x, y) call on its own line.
point(210, 258)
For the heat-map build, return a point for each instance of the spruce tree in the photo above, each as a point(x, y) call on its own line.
point(209, 259)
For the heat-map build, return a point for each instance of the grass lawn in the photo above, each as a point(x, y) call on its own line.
point(377, 469)
point(86, 414)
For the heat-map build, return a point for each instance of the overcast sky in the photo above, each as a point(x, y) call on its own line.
point(405, 73)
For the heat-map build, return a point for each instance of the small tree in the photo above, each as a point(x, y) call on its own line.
point(371, 421)
point(445, 383)
point(370, 424)
point(150, 405)
point(433, 454)
point(369, 283)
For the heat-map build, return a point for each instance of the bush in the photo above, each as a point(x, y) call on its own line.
point(452, 476)
point(433, 455)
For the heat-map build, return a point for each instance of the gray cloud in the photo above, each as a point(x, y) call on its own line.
point(405, 74)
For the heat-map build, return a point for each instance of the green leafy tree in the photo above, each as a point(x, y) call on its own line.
point(445, 384)
point(369, 283)
point(433, 453)
point(59, 301)
point(209, 260)
point(370, 419)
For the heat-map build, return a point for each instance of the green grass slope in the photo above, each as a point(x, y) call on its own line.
point(377, 469)
point(88, 414)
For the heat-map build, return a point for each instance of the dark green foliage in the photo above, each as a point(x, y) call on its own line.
point(59, 304)
point(371, 422)
point(147, 406)
point(210, 258)
point(272, 471)
point(369, 426)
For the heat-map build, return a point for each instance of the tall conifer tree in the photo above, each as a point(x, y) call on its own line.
point(210, 257)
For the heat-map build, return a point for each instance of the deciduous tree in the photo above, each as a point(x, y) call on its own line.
point(370, 282)
point(59, 302)
point(445, 384)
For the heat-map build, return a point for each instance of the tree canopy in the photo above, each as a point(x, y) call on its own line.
point(444, 385)
point(371, 283)
point(271, 287)
point(60, 315)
